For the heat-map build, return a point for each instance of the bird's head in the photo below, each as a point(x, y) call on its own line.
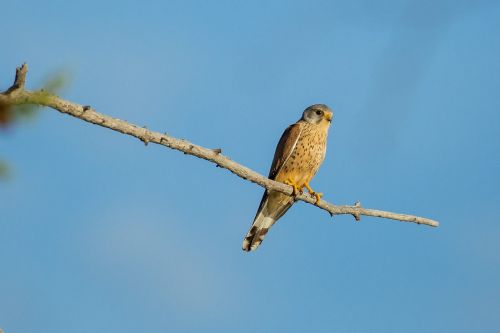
point(317, 114)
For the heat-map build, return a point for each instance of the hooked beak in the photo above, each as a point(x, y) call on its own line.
point(328, 116)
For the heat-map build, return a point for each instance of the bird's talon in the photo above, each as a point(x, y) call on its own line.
point(315, 194)
point(296, 189)
point(318, 196)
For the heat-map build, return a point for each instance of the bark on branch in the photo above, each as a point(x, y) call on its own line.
point(17, 95)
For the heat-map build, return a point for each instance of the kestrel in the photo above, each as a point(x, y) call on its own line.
point(298, 156)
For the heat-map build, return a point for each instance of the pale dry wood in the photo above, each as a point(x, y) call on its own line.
point(17, 95)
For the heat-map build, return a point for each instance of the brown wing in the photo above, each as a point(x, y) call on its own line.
point(274, 205)
point(285, 148)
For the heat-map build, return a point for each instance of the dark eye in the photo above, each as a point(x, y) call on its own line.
point(319, 112)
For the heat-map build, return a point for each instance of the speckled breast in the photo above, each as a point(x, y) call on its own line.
point(308, 154)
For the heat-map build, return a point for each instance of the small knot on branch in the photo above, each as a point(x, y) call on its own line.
point(85, 108)
point(356, 214)
point(217, 151)
point(190, 149)
point(145, 138)
point(164, 139)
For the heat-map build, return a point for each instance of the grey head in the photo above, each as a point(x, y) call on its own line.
point(317, 113)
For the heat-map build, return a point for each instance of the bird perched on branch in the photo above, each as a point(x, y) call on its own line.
point(298, 156)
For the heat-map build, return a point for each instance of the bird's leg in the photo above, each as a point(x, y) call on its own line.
point(316, 194)
point(296, 188)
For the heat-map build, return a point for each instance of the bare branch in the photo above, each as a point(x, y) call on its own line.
point(88, 114)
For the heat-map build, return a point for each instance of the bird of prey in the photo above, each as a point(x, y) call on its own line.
point(297, 158)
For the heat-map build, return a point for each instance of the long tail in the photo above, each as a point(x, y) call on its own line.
point(272, 207)
point(257, 232)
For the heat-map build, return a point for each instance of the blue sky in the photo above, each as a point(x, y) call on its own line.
point(99, 232)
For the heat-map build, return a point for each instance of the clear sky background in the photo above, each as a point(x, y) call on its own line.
point(99, 233)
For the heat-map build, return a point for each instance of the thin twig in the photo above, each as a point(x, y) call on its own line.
point(88, 114)
point(20, 79)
